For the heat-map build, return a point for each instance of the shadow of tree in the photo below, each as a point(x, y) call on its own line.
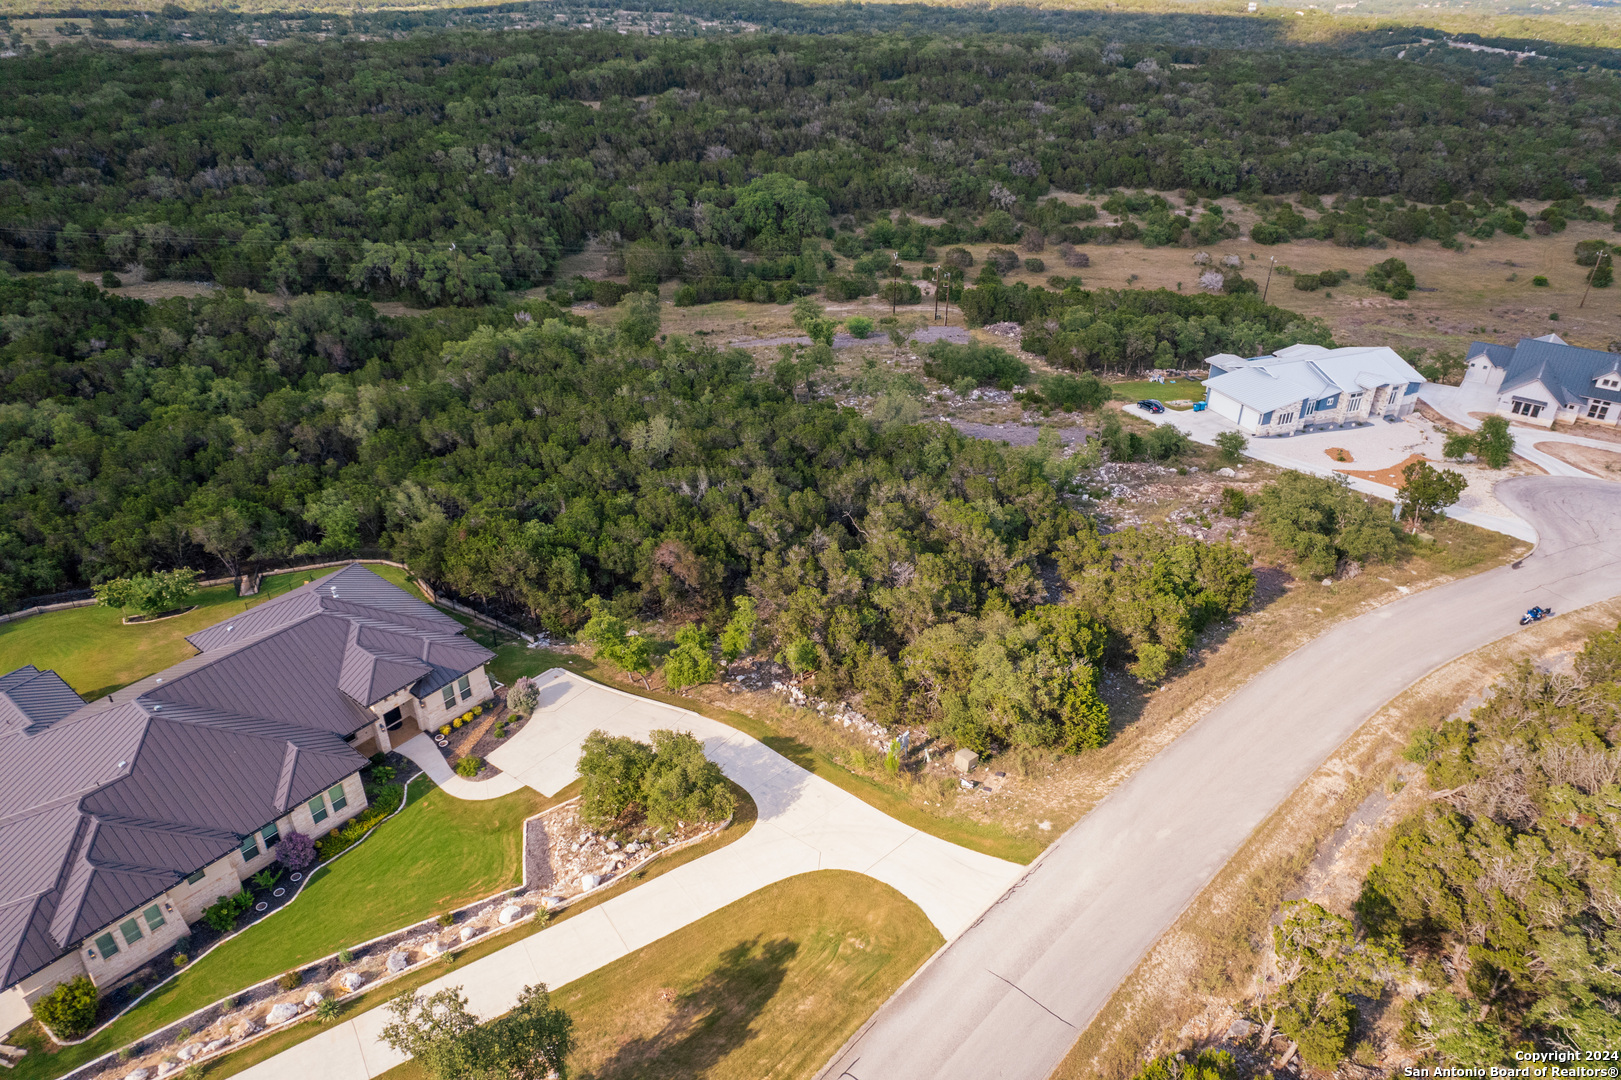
point(709, 1021)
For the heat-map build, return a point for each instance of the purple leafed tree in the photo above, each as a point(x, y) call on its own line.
point(295, 851)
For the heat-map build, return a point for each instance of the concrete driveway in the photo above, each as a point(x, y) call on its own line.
point(1010, 996)
point(805, 824)
point(1377, 446)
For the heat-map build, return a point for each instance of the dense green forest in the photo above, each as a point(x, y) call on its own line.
point(528, 462)
point(1504, 895)
point(450, 166)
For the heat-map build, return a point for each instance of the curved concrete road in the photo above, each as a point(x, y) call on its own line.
point(1010, 996)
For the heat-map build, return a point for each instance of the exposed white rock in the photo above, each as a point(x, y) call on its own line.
point(186, 1053)
point(509, 915)
point(469, 933)
point(432, 947)
point(350, 981)
point(312, 999)
point(139, 1074)
point(398, 961)
point(217, 1044)
point(281, 1012)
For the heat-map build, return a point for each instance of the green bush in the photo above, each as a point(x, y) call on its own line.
point(1085, 391)
point(1391, 276)
point(985, 364)
point(690, 663)
point(669, 781)
point(1540, 281)
point(383, 800)
point(69, 1010)
point(1320, 521)
point(469, 766)
point(292, 980)
point(859, 326)
point(109, 280)
point(224, 912)
point(1035, 266)
point(1230, 447)
point(1233, 502)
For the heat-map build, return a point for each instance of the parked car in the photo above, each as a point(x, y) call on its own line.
point(1150, 405)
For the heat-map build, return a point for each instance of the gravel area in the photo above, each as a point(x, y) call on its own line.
point(1017, 434)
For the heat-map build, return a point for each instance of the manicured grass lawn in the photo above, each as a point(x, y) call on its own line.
point(770, 986)
point(436, 854)
point(514, 660)
point(1181, 390)
point(96, 653)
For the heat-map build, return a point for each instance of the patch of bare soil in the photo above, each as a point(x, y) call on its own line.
point(1604, 463)
point(1339, 453)
point(1391, 477)
point(1204, 984)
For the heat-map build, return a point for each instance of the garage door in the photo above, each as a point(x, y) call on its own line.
point(1222, 405)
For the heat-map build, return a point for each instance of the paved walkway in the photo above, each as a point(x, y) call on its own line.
point(1009, 997)
point(425, 752)
point(805, 824)
point(1305, 453)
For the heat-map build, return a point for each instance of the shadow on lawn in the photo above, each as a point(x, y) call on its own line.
point(709, 1021)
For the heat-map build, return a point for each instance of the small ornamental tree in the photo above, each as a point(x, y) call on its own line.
point(69, 1010)
point(295, 851)
point(1494, 443)
point(148, 594)
point(737, 636)
point(1426, 491)
point(523, 697)
point(1230, 446)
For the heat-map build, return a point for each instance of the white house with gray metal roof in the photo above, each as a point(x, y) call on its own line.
point(122, 818)
point(1544, 379)
point(1311, 388)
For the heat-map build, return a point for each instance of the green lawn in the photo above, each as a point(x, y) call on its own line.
point(437, 854)
point(1180, 390)
point(514, 660)
point(96, 653)
point(770, 986)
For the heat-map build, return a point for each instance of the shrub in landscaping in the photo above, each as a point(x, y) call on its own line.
point(447, 919)
point(524, 696)
point(295, 851)
point(224, 912)
point(266, 877)
point(668, 781)
point(69, 1010)
point(345, 956)
point(291, 981)
point(469, 766)
point(148, 594)
point(327, 1011)
point(181, 960)
point(384, 800)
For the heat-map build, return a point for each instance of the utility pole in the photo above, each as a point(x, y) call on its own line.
point(1268, 288)
point(936, 294)
point(1590, 274)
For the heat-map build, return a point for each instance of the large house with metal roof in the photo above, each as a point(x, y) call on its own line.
point(122, 818)
point(1543, 379)
point(1309, 388)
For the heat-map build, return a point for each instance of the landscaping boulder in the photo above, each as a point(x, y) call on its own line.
point(186, 1053)
point(469, 933)
point(139, 1074)
point(398, 961)
point(242, 1029)
point(312, 999)
point(551, 902)
point(509, 915)
point(590, 881)
point(167, 1067)
point(217, 1044)
point(433, 948)
point(281, 1012)
point(350, 981)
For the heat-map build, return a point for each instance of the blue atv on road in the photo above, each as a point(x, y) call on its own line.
point(1536, 614)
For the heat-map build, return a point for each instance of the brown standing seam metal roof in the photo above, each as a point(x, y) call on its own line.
point(104, 806)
